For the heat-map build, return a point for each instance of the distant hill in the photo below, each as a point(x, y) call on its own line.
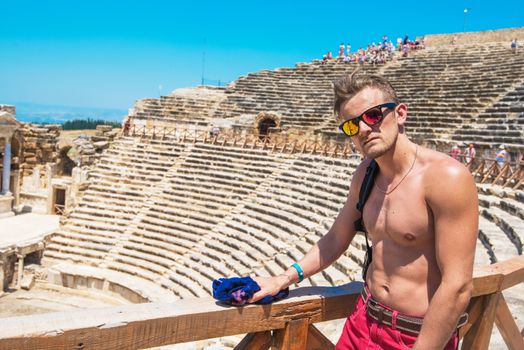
point(56, 114)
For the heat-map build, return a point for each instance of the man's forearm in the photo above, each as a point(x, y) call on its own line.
point(320, 256)
point(441, 319)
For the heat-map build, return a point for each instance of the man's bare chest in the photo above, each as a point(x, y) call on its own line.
point(403, 216)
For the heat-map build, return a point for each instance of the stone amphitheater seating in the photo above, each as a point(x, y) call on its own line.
point(453, 93)
point(501, 222)
point(301, 95)
point(169, 217)
point(180, 215)
point(447, 88)
point(502, 122)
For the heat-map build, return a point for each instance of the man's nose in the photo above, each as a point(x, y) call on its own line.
point(363, 128)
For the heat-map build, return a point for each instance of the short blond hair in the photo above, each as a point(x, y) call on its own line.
point(349, 85)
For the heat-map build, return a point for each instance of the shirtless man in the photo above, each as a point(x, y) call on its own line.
point(422, 218)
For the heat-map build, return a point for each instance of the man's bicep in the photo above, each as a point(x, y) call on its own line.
point(454, 205)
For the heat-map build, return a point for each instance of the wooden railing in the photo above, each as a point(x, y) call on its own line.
point(59, 209)
point(484, 170)
point(288, 324)
point(275, 142)
point(505, 174)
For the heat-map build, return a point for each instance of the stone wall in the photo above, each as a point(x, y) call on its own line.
point(40, 146)
point(487, 36)
point(90, 148)
point(8, 108)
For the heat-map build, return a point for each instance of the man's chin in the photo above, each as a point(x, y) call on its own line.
point(373, 152)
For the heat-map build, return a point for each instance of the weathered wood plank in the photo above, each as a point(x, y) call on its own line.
point(318, 341)
point(157, 324)
point(293, 336)
point(507, 326)
point(485, 279)
point(255, 341)
point(480, 333)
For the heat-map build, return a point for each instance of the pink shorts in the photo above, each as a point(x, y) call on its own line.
point(363, 332)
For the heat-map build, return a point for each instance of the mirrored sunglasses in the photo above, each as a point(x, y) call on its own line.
point(370, 117)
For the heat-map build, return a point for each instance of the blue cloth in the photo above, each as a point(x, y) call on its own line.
point(238, 290)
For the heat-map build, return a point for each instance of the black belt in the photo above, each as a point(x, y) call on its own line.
point(406, 323)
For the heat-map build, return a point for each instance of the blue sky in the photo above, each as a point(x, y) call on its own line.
point(110, 53)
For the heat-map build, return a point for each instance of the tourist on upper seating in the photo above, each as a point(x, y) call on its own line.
point(421, 216)
point(469, 153)
point(500, 158)
point(405, 50)
point(341, 48)
point(514, 45)
point(455, 152)
point(215, 130)
point(348, 49)
point(399, 43)
point(126, 125)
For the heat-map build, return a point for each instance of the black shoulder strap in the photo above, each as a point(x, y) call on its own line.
point(365, 190)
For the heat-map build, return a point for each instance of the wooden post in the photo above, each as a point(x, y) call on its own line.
point(479, 169)
point(489, 171)
point(480, 333)
point(255, 341)
point(293, 336)
point(318, 341)
point(294, 147)
point(516, 175)
point(505, 169)
point(507, 327)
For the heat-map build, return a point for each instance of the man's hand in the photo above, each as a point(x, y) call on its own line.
point(270, 286)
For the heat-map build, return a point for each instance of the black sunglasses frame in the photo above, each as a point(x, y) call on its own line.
point(360, 117)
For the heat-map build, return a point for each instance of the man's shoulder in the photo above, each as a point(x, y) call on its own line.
point(445, 177)
point(441, 167)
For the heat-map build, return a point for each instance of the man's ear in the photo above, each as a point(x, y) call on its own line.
point(401, 112)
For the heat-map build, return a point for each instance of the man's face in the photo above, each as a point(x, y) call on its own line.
point(371, 141)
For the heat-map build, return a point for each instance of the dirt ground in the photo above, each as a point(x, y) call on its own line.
point(45, 297)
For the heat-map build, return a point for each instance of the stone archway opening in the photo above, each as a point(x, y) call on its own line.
point(65, 164)
point(264, 122)
point(264, 125)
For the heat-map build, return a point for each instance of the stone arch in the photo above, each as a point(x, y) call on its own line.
point(65, 164)
point(264, 121)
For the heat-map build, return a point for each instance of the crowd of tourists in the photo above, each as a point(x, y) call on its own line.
point(375, 53)
point(469, 153)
